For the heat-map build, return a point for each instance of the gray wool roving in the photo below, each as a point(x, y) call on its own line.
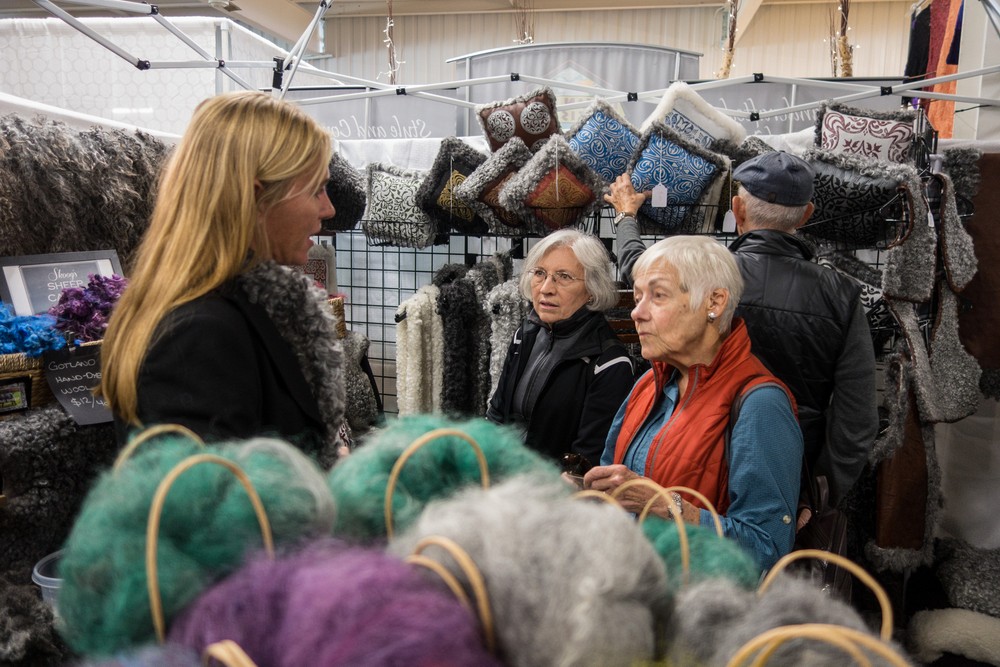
point(299, 310)
point(506, 308)
point(27, 633)
point(705, 613)
point(570, 582)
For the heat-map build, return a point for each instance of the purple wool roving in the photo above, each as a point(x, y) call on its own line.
point(331, 604)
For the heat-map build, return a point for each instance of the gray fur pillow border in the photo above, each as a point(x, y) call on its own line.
point(508, 159)
point(346, 190)
point(454, 155)
point(556, 153)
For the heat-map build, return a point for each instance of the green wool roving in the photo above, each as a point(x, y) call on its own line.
point(208, 525)
point(436, 470)
point(711, 556)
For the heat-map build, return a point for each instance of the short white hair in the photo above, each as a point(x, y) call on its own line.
point(702, 264)
point(761, 214)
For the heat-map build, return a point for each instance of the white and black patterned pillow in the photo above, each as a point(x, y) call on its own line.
point(604, 140)
point(346, 190)
point(532, 118)
point(393, 216)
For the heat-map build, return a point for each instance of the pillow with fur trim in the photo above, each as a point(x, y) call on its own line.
point(436, 196)
point(687, 171)
point(346, 190)
point(531, 117)
point(689, 115)
point(555, 186)
point(850, 195)
point(393, 216)
point(882, 135)
point(481, 190)
point(604, 140)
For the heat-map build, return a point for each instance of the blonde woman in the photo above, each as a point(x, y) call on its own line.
point(216, 331)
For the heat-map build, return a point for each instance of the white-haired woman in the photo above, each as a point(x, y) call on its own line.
point(675, 425)
point(566, 371)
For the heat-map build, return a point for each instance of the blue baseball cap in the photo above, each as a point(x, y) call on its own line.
point(777, 177)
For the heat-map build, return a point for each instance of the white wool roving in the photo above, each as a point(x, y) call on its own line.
point(570, 582)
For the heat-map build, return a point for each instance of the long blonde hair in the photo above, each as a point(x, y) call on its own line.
point(205, 226)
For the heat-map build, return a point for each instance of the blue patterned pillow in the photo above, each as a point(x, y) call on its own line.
point(604, 140)
point(686, 170)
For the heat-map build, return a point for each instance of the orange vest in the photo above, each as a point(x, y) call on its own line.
point(690, 448)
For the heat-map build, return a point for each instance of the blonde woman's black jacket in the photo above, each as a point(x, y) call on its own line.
point(581, 394)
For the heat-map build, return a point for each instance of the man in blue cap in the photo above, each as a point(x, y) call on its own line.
point(806, 322)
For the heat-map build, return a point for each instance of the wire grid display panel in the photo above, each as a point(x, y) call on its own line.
point(376, 279)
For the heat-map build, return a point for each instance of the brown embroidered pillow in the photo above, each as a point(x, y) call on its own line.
point(532, 118)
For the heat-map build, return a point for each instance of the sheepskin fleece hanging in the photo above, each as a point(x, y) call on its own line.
point(506, 308)
point(48, 463)
point(334, 605)
point(65, 190)
point(436, 470)
point(484, 277)
point(461, 316)
point(302, 316)
point(909, 264)
point(961, 632)
point(362, 408)
point(557, 595)
point(958, 254)
point(970, 576)
point(207, 526)
point(419, 353)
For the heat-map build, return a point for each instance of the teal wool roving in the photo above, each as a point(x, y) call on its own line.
point(709, 555)
point(436, 470)
point(207, 527)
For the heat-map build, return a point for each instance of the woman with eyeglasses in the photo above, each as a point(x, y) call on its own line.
point(566, 372)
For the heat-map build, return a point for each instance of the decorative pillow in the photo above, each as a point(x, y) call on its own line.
point(686, 170)
point(346, 190)
point(393, 216)
point(436, 196)
point(481, 190)
point(604, 140)
point(689, 115)
point(531, 117)
point(882, 135)
point(555, 186)
point(854, 199)
point(707, 215)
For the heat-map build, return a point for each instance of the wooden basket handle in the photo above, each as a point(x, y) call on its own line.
point(446, 576)
point(397, 468)
point(153, 525)
point(846, 638)
point(597, 495)
point(228, 653)
point(850, 566)
point(675, 512)
point(475, 577)
point(705, 501)
point(149, 434)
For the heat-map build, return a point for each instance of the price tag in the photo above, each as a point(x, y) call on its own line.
point(72, 375)
point(930, 219)
point(729, 222)
point(659, 196)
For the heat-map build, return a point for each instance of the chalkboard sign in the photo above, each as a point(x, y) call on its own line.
point(32, 284)
point(72, 374)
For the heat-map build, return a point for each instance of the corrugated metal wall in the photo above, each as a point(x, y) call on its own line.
point(783, 39)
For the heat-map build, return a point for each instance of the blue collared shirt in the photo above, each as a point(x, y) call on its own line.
point(764, 468)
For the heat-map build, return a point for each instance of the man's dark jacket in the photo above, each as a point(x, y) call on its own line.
point(583, 392)
point(807, 325)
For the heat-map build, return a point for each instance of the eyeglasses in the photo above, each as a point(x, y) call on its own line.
point(560, 278)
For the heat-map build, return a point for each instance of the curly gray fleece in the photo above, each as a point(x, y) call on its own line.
point(299, 311)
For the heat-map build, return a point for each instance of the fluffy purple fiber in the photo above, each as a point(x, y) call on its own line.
point(332, 604)
point(83, 313)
